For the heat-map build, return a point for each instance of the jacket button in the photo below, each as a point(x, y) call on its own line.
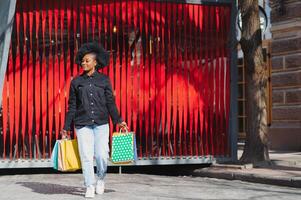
point(93, 120)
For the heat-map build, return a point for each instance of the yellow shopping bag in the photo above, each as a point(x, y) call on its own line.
point(68, 156)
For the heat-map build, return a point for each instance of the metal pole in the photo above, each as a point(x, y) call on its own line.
point(233, 126)
point(7, 12)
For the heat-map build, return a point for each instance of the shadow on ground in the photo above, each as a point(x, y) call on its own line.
point(50, 188)
point(167, 170)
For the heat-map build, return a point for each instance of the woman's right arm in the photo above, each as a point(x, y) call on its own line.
point(71, 108)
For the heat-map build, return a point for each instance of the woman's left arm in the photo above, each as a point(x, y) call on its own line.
point(111, 105)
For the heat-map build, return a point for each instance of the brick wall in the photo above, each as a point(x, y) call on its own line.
point(285, 130)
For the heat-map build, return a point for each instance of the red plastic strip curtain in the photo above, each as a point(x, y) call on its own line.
point(169, 68)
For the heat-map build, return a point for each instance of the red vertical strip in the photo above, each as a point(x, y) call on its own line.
point(50, 20)
point(30, 16)
point(105, 15)
point(37, 16)
point(109, 16)
point(62, 80)
point(24, 98)
point(68, 59)
point(74, 19)
point(81, 19)
point(180, 79)
point(205, 110)
point(37, 86)
point(135, 72)
point(168, 77)
point(174, 62)
point(185, 77)
point(43, 82)
point(193, 94)
point(141, 80)
point(4, 115)
point(135, 75)
point(17, 87)
point(116, 29)
point(44, 104)
point(94, 17)
point(217, 81)
point(197, 79)
point(221, 83)
point(152, 74)
point(44, 14)
point(190, 98)
point(75, 16)
point(11, 103)
point(135, 93)
point(147, 78)
point(129, 74)
point(69, 15)
point(30, 89)
point(158, 79)
point(30, 98)
point(98, 17)
point(62, 90)
point(162, 73)
point(56, 71)
point(200, 75)
point(50, 98)
point(62, 17)
point(87, 16)
point(211, 79)
point(223, 43)
point(56, 95)
point(68, 81)
point(125, 82)
point(56, 20)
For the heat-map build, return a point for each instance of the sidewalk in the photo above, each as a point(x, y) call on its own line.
point(284, 171)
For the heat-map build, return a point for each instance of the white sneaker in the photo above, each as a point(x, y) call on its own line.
point(90, 192)
point(100, 187)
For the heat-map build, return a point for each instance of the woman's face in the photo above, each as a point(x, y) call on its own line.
point(89, 62)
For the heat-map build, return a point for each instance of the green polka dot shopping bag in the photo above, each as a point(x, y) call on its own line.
point(123, 147)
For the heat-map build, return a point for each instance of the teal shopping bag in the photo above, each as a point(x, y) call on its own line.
point(54, 155)
point(123, 147)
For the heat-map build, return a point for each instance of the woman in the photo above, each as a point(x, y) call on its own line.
point(91, 102)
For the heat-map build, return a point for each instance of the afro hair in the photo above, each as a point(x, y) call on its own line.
point(102, 56)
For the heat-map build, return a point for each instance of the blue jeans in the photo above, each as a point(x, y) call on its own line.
point(93, 141)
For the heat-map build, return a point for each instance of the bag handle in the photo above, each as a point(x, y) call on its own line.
point(123, 128)
point(68, 137)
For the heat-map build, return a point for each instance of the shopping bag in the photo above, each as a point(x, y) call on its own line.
point(67, 156)
point(123, 147)
point(54, 155)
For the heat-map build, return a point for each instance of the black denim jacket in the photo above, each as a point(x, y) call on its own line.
point(91, 101)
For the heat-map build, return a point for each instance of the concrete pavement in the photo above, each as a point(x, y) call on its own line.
point(285, 170)
point(137, 186)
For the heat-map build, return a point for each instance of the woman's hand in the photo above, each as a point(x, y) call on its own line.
point(64, 134)
point(123, 125)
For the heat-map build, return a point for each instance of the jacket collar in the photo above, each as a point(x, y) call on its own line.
point(95, 73)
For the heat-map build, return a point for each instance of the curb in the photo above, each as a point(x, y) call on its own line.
point(255, 178)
